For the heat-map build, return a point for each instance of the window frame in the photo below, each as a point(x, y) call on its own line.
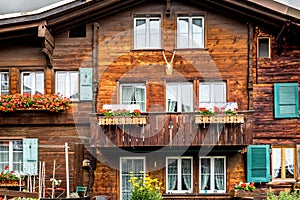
point(179, 99)
point(179, 174)
point(190, 32)
point(147, 32)
point(68, 83)
point(134, 85)
point(120, 170)
point(32, 81)
point(212, 90)
point(3, 81)
point(259, 54)
point(212, 171)
point(282, 165)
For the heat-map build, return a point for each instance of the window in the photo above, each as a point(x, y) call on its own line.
point(78, 32)
point(263, 49)
point(179, 174)
point(212, 92)
point(11, 155)
point(32, 83)
point(212, 174)
point(4, 79)
point(286, 100)
point(283, 162)
point(179, 97)
point(134, 94)
point(190, 32)
point(147, 33)
point(130, 164)
point(67, 84)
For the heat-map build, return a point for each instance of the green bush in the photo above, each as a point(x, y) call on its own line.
point(283, 195)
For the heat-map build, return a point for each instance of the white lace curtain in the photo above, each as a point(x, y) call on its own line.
point(172, 174)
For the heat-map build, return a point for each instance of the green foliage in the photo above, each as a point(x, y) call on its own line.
point(145, 188)
point(283, 195)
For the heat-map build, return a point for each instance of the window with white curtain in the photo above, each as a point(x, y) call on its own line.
point(11, 155)
point(212, 92)
point(190, 32)
point(32, 82)
point(179, 175)
point(179, 97)
point(133, 93)
point(147, 33)
point(4, 80)
point(135, 165)
point(283, 162)
point(212, 174)
point(67, 84)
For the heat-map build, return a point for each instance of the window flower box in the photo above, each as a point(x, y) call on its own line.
point(11, 183)
point(209, 119)
point(242, 193)
point(118, 120)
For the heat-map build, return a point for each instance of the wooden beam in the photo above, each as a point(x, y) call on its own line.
point(21, 27)
point(44, 33)
point(168, 7)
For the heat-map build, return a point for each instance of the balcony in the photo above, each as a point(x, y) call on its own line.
point(172, 129)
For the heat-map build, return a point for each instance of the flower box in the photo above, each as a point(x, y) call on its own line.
point(118, 120)
point(242, 193)
point(11, 183)
point(208, 119)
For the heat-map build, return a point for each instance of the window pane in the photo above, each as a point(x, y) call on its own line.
point(4, 83)
point(205, 174)
point(197, 33)
point(27, 83)
point(4, 154)
point(289, 163)
point(186, 171)
point(39, 83)
point(183, 33)
point(205, 93)
point(73, 84)
point(61, 83)
point(154, 33)
point(219, 174)
point(263, 47)
point(172, 96)
point(186, 97)
point(172, 174)
point(140, 33)
point(276, 162)
point(219, 92)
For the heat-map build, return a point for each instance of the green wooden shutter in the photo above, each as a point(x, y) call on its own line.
point(258, 163)
point(30, 156)
point(86, 84)
point(286, 100)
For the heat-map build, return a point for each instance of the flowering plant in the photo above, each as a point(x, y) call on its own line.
point(55, 182)
point(245, 186)
point(52, 103)
point(216, 110)
point(123, 112)
point(10, 175)
point(145, 188)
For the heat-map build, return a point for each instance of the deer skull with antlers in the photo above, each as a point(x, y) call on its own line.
point(169, 65)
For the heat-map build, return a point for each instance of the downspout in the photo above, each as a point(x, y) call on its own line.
point(92, 168)
point(250, 66)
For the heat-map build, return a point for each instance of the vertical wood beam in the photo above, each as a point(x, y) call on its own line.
point(95, 50)
point(250, 66)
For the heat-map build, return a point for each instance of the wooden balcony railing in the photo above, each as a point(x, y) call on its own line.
point(173, 129)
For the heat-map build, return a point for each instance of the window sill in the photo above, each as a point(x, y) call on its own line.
point(191, 49)
point(148, 49)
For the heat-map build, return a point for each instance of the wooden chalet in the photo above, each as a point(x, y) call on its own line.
point(174, 61)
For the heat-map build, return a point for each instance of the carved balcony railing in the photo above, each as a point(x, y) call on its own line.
point(173, 129)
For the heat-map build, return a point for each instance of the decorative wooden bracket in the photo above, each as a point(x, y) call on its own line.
point(48, 43)
point(168, 8)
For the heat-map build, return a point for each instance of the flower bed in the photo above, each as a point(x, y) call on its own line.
point(52, 103)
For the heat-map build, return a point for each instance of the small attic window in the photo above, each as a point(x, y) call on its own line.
point(263, 50)
point(78, 32)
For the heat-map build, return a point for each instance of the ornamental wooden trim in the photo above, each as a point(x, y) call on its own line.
point(207, 119)
point(115, 120)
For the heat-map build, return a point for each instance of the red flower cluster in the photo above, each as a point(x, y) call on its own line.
point(244, 186)
point(123, 112)
point(52, 103)
point(204, 111)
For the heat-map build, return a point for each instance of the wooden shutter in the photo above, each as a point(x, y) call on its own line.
point(30, 156)
point(258, 163)
point(286, 100)
point(86, 84)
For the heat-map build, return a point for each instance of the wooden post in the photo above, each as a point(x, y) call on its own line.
point(67, 169)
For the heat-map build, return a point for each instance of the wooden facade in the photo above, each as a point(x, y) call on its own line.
point(231, 30)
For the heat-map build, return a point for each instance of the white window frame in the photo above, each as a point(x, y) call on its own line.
point(178, 98)
point(121, 175)
point(134, 85)
point(10, 156)
point(212, 95)
point(212, 182)
point(33, 81)
point(68, 83)
point(179, 175)
point(258, 47)
point(282, 161)
point(192, 43)
point(148, 43)
point(4, 82)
